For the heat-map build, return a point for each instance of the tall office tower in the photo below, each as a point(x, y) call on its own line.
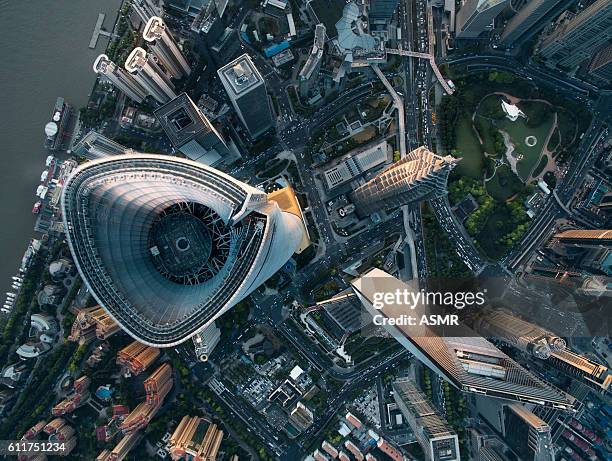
point(438, 441)
point(530, 20)
point(205, 341)
point(145, 70)
point(519, 333)
point(125, 82)
point(307, 78)
point(421, 175)
point(247, 92)
point(591, 373)
point(195, 438)
point(95, 145)
point(527, 434)
point(578, 38)
point(381, 12)
point(600, 68)
point(163, 46)
point(167, 245)
point(191, 133)
point(467, 361)
point(477, 17)
point(593, 238)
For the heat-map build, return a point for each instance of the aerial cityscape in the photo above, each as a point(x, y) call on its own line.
point(307, 230)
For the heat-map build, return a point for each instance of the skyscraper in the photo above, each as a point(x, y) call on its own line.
point(588, 238)
point(205, 341)
point(527, 434)
point(467, 361)
point(124, 82)
point(530, 20)
point(477, 17)
point(381, 12)
point(577, 38)
point(519, 333)
point(195, 438)
point(247, 92)
point(167, 245)
point(600, 68)
point(192, 133)
point(145, 70)
point(308, 74)
point(421, 175)
point(438, 441)
point(163, 46)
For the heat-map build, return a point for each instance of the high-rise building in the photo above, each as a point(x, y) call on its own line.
point(477, 17)
point(164, 47)
point(600, 68)
point(124, 82)
point(530, 20)
point(421, 175)
point(307, 78)
point(380, 13)
point(143, 67)
point(577, 38)
point(382, 9)
point(519, 333)
point(91, 323)
point(527, 434)
point(594, 238)
point(301, 416)
point(467, 361)
point(167, 245)
point(577, 366)
point(137, 357)
point(196, 439)
point(205, 341)
point(438, 441)
point(191, 133)
point(247, 91)
point(95, 145)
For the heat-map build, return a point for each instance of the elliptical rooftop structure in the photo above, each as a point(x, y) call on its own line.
point(168, 245)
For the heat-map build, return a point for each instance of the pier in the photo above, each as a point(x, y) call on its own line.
point(98, 31)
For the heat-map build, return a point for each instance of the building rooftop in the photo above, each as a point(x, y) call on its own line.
point(240, 74)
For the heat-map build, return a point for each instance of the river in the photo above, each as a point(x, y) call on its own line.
point(44, 54)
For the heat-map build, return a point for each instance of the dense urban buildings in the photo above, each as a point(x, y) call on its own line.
point(241, 252)
point(534, 16)
point(176, 211)
point(247, 92)
point(468, 362)
point(576, 38)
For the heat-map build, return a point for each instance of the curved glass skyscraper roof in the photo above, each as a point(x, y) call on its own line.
point(168, 245)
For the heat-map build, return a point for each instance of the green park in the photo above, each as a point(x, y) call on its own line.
point(509, 134)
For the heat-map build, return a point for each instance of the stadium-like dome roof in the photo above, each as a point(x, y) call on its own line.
point(167, 245)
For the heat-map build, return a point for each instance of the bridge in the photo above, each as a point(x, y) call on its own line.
point(432, 62)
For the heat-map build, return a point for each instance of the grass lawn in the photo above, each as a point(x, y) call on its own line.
point(504, 184)
point(518, 131)
point(469, 149)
